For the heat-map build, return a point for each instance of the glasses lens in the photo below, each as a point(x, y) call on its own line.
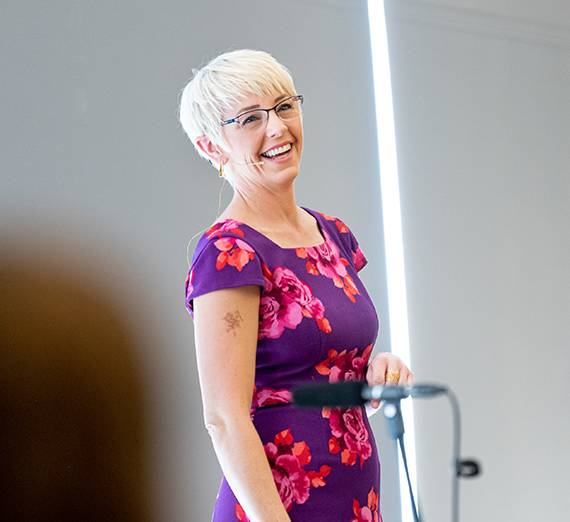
point(252, 120)
point(289, 109)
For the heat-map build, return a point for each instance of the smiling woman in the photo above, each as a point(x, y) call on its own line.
point(256, 135)
point(277, 301)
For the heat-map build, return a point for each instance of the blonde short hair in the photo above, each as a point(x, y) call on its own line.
point(227, 79)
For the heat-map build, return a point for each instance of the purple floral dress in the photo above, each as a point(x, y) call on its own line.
point(316, 323)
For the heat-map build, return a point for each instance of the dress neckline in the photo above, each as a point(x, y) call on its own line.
point(316, 216)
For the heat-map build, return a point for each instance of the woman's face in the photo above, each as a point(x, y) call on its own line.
point(275, 148)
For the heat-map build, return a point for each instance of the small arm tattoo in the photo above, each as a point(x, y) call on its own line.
point(233, 321)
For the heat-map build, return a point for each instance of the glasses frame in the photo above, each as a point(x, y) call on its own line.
point(297, 97)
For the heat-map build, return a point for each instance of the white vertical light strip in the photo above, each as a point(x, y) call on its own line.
point(392, 228)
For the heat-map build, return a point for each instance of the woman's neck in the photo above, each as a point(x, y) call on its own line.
point(278, 218)
point(269, 209)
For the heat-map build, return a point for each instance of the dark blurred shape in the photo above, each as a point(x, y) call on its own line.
point(72, 434)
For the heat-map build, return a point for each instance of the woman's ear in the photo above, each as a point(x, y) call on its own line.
point(210, 149)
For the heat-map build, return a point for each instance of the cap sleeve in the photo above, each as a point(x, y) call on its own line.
point(346, 238)
point(222, 260)
point(358, 257)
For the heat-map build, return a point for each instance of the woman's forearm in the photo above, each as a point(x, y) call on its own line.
point(245, 466)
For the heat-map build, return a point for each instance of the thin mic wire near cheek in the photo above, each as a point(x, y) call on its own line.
point(248, 164)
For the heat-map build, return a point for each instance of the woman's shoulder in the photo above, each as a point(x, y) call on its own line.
point(224, 258)
point(329, 222)
point(222, 235)
point(342, 236)
point(223, 227)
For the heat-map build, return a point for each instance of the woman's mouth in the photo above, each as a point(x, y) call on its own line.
point(277, 152)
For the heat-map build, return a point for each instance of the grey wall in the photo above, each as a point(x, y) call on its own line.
point(482, 111)
point(95, 169)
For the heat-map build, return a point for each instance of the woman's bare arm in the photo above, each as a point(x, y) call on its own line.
point(226, 325)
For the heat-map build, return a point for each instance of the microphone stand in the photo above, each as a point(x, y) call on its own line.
point(393, 414)
point(462, 468)
point(350, 393)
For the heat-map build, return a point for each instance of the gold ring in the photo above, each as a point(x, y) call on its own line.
point(393, 377)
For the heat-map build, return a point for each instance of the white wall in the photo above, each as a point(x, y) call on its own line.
point(482, 109)
point(546, 12)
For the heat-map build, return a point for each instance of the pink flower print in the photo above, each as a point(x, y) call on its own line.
point(369, 513)
point(269, 397)
point(286, 462)
point(349, 366)
point(345, 366)
point(317, 478)
point(342, 228)
point(229, 225)
point(285, 302)
point(240, 514)
point(350, 435)
point(327, 217)
point(324, 259)
point(350, 288)
point(292, 286)
point(363, 515)
point(301, 293)
point(189, 286)
point(292, 482)
point(234, 252)
point(358, 259)
point(277, 311)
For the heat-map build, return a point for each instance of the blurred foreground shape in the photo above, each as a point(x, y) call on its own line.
point(72, 416)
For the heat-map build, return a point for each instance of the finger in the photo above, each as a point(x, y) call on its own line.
point(370, 379)
point(406, 376)
point(375, 404)
point(393, 375)
point(377, 370)
point(375, 374)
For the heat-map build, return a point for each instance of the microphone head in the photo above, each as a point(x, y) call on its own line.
point(337, 395)
point(426, 390)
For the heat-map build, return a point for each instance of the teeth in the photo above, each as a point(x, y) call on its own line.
point(275, 152)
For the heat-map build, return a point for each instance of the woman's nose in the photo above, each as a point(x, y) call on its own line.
point(275, 124)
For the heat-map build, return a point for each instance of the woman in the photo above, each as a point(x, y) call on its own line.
point(277, 302)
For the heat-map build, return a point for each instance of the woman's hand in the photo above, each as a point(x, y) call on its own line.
point(387, 369)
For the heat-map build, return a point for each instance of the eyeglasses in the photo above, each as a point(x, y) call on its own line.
point(256, 119)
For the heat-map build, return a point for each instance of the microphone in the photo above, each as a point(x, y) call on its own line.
point(356, 393)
